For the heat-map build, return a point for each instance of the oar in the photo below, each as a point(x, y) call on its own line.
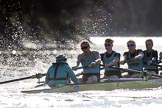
point(88, 66)
point(39, 75)
point(126, 70)
point(81, 67)
point(81, 73)
point(78, 74)
point(123, 69)
point(136, 71)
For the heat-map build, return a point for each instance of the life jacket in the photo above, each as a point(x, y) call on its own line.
point(106, 59)
point(137, 65)
point(149, 58)
point(53, 75)
point(86, 61)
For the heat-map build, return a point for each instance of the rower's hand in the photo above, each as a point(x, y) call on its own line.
point(122, 62)
point(92, 64)
point(107, 65)
point(39, 75)
point(75, 68)
point(135, 58)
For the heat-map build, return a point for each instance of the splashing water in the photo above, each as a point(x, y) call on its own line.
point(12, 97)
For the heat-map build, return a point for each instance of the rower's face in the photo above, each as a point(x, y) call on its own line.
point(148, 45)
point(131, 47)
point(85, 47)
point(108, 46)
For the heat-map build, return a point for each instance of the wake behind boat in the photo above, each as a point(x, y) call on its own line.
point(105, 85)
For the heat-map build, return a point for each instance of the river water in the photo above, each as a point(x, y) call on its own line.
point(13, 66)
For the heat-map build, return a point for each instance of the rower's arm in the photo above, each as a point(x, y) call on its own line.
point(114, 61)
point(78, 60)
point(125, 59)
point(155, 57)
point(72, 75)
point(140, 55)
point(97, 57)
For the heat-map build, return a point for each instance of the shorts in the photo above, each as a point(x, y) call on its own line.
point(86, 75)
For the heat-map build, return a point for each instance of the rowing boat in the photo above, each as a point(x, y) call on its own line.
point(106, 85)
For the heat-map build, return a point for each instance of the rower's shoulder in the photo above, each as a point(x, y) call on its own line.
point(125, 53)
point(95, 52)
point(139, 50)
point(102, 54)
point(80, 55)
point(155, 51)
point(116, 53)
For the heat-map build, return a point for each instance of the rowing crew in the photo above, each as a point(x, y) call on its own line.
point(60, 72)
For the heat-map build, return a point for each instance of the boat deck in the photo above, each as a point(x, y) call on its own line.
point(106, 86)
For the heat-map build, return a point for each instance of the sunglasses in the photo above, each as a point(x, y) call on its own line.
point(148, 44)
point(108, 44)
point(131, 45)
point(85, 47)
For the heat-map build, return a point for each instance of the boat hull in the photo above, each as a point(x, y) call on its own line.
point(106, 86)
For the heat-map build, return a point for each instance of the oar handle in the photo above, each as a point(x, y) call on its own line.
point(81, 67)
point(39, 75)
point(78, 74)
point(81, 73)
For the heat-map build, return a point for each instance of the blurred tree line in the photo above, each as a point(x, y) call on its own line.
point(65, 21)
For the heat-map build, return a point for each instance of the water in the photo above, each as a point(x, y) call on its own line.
point(11, 97)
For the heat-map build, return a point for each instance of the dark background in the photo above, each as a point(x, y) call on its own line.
point(45, 21)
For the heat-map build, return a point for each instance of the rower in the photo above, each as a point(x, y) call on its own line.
point(90, 61)
point(160, 56)
point(150, 56)
point(110, 58)
point(59, 73)
point(133, 58)
point(160, 59)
